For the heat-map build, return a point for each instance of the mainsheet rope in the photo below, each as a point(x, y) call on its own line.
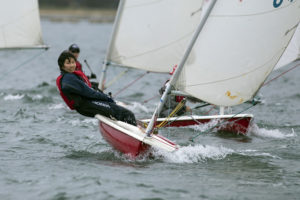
point(177, 108)
point(281, 74)
point(116, 78)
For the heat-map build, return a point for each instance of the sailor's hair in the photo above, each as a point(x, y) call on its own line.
point(64, 56)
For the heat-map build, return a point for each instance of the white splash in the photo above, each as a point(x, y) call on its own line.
point(136, 106)
point(251, 152)
point(90, 121)
point(77, 122)
point(13, 97)
point(37, 97)
point(56, 106)
point(206, 126)
point(275, 133)
point(194, 154)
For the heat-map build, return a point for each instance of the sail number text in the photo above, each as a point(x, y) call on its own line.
point(277, 3)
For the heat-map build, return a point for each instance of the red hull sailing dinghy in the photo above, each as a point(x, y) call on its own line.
point(224, 51)
point(130, 139)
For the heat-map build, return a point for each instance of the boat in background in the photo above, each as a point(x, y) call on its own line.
point(20, 25)
point(225, 51)
point(238, 124)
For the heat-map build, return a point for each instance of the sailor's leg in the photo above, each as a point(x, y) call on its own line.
point(123, 114)
point(91, 108)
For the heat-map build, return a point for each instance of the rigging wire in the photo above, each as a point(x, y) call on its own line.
point(146, 101)
point(116, 78)
point(282, 74)
point(130, 84)
point(22, 64)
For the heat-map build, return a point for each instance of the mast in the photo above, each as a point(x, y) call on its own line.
point(111, 43)
point(180, 67)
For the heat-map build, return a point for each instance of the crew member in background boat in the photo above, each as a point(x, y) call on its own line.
point(171, 102)
point(75, 50)
point(76, 91)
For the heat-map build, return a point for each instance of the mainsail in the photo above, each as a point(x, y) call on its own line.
point(151, 34)
point(20, 24)
point(237, 49)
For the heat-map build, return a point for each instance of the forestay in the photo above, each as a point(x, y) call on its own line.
point(20, 24)
point(237, 49)
point(152, 35)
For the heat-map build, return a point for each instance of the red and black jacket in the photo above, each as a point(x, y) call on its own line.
point(78, 66)
point(76, 84)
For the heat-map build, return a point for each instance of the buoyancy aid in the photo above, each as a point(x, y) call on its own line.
point(69, 102)
point(78, 66)
point(179, 98)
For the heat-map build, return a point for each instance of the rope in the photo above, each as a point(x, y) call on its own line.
point(130, 84)
point(210, 110)
point(22, 64)
point(116, 78)
point(150, 98)
point(281, 74)
point(177, 108)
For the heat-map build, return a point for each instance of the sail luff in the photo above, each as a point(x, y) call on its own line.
point(110, 45)
point(180, 67)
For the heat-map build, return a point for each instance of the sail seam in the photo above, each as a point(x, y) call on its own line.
point(152, 50)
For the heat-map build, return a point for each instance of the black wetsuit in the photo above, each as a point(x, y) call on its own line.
point(90, 102)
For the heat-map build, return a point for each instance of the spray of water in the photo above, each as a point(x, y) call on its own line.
point(13, 97)
point(274, 133)
point(194, 154)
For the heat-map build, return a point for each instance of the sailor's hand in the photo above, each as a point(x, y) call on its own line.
point(110, 97)
point(93, 75)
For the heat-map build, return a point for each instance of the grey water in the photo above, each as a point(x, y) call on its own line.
point(50, 152)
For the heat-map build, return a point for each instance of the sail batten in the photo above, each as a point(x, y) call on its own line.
point(20, 25)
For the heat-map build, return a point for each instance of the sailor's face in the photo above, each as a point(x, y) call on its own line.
point(76, 55)
point(69, 65)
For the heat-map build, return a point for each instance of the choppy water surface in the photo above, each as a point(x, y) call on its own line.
point(50, 152)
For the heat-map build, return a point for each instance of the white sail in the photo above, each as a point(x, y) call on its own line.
point(292, 51)
point(153, 34)
point(20, 24)
point(238, 47)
